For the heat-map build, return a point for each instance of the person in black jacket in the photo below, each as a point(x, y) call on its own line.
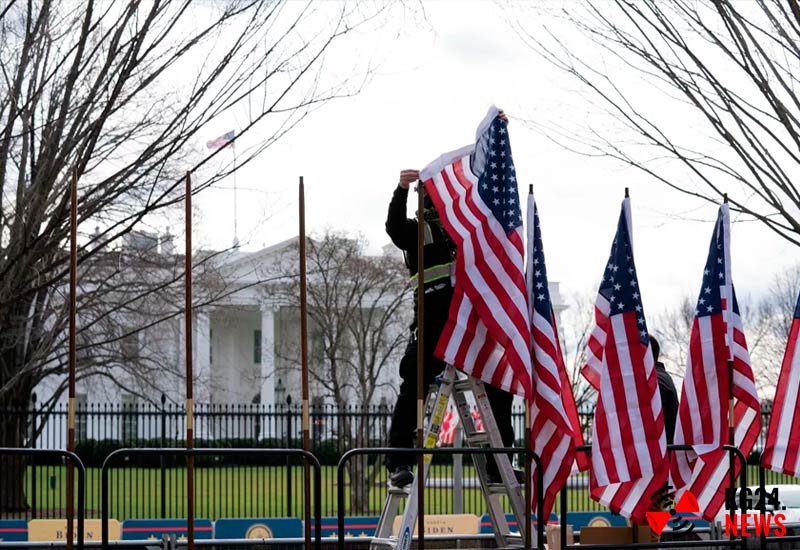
point(438, 256)
point(669, 395)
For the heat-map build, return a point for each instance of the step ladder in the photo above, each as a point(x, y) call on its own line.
point(459, 386)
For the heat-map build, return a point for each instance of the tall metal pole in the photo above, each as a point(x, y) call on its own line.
point(420, 359)
point(304, 363)
point(731, 414)
point(528, 494)
point(73, 287)
point(188, 352)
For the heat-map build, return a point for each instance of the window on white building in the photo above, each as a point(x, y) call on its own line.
point(81, 414)
point(257, 346)
point(130, 418)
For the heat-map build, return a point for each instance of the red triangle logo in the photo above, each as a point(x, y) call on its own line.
point(687, 503)
point(657, 521)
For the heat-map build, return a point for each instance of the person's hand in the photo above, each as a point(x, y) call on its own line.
point(503, 116)
point(407, 177)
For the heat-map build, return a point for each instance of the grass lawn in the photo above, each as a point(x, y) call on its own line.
point(253, 491)
point(246, 491)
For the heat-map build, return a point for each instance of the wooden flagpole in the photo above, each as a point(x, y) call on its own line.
point(73, 298)
point(420, 359)
point(304, 364)
point(188, 352)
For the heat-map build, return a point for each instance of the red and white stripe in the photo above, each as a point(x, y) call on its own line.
point(488, 332)
point(447, 431)
point(628, 457)
point(628, 441)
point(782, 450)
point(703, 413)
point(555, 426)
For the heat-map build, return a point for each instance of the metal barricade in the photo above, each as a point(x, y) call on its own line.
point(308, 457)
point(69, 455)
point(733, 542)
point(530, 455)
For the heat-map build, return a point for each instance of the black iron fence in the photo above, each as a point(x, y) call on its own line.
point(151, 486)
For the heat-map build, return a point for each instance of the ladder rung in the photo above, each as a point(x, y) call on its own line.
point(478, 439)
point(463, 385)
point(400, 491)
point(383, 543)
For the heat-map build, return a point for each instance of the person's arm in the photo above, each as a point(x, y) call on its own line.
point(400, 229)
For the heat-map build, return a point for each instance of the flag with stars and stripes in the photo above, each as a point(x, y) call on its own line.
point(716, 337)
point(628, 440)
point(475, 192)
point(555, 426)
point(782, 450)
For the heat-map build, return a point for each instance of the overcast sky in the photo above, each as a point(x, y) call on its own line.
point(432, 88)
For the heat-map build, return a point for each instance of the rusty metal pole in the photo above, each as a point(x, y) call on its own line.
point(420, 359)
point(189, 400)
point(304, 363)
point(73, 298)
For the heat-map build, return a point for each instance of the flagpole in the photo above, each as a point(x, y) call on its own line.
point(235, 204)
point(189, 375)
point(304, 365)
point(420, 359)
point(634, 524)
point(731, 415)
point(528, 495)
point(73, 288)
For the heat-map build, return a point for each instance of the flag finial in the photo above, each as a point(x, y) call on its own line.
point(725, 198)
point(530, 189)
point(627, 194)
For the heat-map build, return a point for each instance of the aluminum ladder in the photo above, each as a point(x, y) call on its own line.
point(451, 384)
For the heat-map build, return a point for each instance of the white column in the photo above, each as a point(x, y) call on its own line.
point(267, 354)
point(202, 357)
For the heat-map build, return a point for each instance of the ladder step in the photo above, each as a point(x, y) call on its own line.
point(400, 491)
point(478, 439)
point(464, 384)
point(383, 543)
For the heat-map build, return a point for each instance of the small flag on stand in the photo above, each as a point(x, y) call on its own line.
point(555, 429)
point(717, 336)
point(629, 443)
point(782, 451)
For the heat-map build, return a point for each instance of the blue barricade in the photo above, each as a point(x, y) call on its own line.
point(13, 530)
point(258, 528)
point(354, 526)
point(154, 529)
point(594, 519)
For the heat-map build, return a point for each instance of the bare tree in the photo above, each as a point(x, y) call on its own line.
point(726, 70)
point(766, 320)
point(578, 320)
point(358, 323)
point(121, 94)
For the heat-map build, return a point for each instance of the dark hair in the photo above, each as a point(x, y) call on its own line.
point(655, 347)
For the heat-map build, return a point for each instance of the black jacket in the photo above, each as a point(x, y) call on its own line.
point(669, 400)
point(438, 252)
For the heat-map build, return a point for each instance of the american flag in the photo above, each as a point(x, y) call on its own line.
point(555, 429)
point(716, 337)
point(782, 451)
point(221, 141)
point(629, 443)
point(447, 431)
point(475, 192)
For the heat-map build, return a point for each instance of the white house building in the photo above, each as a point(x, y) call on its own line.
point(245, 342)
